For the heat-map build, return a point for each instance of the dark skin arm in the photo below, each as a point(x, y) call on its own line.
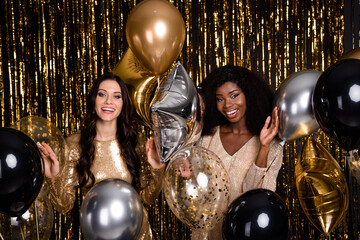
point(267, 134)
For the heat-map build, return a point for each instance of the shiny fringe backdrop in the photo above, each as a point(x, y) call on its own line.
point(52, 50)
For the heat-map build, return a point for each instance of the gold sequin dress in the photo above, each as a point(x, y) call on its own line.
point(244, 174)
point(108, 163)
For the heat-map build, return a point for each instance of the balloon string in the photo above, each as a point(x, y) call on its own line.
point(281, 144)
point(21, 230)
point(349, 182)
point(37, 222)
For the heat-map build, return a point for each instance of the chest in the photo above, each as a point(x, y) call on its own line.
point(108, 163)
point(232, 143)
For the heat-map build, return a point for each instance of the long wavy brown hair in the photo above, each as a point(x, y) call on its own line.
point(126, 135)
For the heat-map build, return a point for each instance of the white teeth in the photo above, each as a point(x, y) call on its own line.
point(108, 109)
point(231, 112)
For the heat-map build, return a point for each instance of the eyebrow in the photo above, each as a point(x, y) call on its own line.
point(235, 90)
point(106, 91)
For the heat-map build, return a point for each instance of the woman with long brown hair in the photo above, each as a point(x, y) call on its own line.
point(107, 147)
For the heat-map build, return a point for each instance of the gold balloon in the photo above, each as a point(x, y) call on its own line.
point(155, 31)
point(140, 82)
point(321, 186)
point(352, 54)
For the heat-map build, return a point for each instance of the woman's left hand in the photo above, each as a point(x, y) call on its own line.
point(269, 131)
point(153, 155)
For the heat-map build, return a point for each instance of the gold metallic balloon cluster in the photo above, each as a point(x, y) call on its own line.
point(155, 32)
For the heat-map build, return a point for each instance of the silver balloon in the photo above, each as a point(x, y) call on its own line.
point(195, 134)
point(293, 99)
point(112, 209)
point(174, 113)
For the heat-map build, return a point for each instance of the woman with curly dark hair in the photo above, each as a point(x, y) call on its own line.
point(106, 147)
point(240, 128)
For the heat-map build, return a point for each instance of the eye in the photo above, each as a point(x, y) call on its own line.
point(117, 96)
point(101, 94)
point(234, 95)
point(219, 99)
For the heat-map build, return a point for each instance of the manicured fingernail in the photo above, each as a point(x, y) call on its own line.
point(38, 143)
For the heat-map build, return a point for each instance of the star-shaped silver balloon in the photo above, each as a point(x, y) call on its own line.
point(174, 112)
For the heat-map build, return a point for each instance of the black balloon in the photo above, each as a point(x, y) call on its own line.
point(337, 103)
point(257, 214)
point(21, 172)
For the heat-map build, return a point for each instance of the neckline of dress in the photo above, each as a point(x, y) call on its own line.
point(222, 146)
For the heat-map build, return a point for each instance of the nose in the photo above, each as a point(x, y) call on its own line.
point(108, 100)
point(227, 102)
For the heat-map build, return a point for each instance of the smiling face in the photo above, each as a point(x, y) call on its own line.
point(109, 102)
point(231, 102)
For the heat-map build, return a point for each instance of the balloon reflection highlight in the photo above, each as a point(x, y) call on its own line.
point(263, 220)
point(354, 93)
point(196, 187)
point(321, 186)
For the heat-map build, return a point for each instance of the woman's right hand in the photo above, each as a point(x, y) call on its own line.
point(50, 160)
point(184, 169)
point(269, 131)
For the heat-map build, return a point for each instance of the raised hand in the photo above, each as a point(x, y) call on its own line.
point(50, 160)
point(269, 131)
point(153, 155)
point(184, 169)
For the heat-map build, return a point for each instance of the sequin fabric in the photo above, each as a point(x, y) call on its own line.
point(108, 163)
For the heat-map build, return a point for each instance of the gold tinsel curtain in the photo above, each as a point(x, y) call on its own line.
point(52, 50)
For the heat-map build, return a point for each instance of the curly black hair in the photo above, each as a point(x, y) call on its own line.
point(258, 95)
point(126, 135)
